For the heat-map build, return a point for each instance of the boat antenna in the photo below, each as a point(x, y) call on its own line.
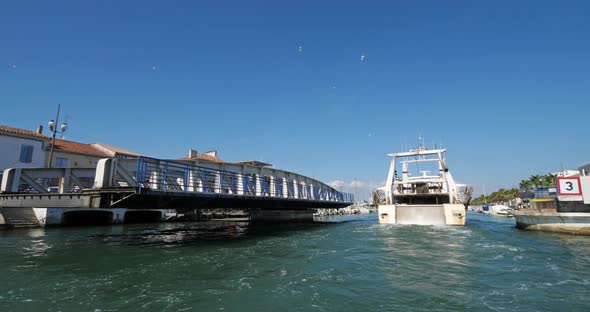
point(562, 170)
point(420, 142)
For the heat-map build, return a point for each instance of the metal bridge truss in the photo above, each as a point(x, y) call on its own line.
point(231, 179)
point(156, 183)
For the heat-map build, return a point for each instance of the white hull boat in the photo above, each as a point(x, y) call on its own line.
point(422, 199)
point(500, 210)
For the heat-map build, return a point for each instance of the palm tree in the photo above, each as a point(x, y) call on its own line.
point(525, 185)
point(549, 179)
point(536, 180)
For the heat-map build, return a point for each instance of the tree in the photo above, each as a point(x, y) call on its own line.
point(549, 180)
point(536, 180)
point(501, 195)
point(525, 185)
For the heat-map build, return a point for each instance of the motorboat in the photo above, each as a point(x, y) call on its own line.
point(500, 210)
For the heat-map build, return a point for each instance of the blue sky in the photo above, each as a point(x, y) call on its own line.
point(504, 85)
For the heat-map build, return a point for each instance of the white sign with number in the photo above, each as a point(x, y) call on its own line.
point(568, 186)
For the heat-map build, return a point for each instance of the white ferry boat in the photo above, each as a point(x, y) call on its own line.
point(423, 198)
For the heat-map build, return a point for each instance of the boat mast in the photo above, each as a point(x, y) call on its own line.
point(355, 191)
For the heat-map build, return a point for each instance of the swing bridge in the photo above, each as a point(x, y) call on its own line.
point(147, 183)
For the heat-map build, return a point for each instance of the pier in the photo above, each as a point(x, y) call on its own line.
point(120, 190)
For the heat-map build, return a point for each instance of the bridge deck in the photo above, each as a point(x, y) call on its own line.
point(133, 199)
point(148, 183)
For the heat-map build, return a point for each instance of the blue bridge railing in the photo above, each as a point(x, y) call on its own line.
point(174, 176)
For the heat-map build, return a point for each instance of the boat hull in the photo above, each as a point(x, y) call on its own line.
point(500, 211)
point(558, 222)
point(447, 214)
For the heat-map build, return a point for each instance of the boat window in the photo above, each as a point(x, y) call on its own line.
point(433, 199)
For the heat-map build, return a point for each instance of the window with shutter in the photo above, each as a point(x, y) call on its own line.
point(26, 153)
point(61, 162)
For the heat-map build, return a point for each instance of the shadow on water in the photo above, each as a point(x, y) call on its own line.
point(341, 263)
point(203, 233)
point(178, 233)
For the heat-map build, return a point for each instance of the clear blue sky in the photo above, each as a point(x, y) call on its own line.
point(504, 85)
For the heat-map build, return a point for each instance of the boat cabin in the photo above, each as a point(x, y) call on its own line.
point(418, 185)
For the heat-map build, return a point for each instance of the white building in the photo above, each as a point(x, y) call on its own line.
point(21, 148)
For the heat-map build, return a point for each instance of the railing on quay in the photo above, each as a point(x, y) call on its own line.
point(180, 177)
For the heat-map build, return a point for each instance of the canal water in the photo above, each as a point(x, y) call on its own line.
point(347, 263)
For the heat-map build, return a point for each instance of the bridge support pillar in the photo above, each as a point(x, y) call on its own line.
point(281, 216)
point(105, 171)
point(272, 187)
point(303, 187)
point(259, 181)
point(295, 189)
point(64, 181)
point(196, 183)
point(239, 183)
point(155, 179)
point(218, 182)
point(285, 188)
point(10, 180)
point(192, 179)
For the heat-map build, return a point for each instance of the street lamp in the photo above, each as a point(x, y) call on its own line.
point(52, 127)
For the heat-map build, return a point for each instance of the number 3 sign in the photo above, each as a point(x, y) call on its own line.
point(568, 186)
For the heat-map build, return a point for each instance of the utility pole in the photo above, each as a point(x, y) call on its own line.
point(53, 129)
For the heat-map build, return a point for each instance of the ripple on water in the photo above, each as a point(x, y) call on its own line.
point(347, 266)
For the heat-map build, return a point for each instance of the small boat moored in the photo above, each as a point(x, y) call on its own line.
point(500, 210)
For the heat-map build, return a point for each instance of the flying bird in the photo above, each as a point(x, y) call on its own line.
point(363, 56)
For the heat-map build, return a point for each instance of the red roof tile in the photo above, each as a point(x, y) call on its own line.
point(204, 157)
point(117, 150)
point(78, 148)
point(23, 132)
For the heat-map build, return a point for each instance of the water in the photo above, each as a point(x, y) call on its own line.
point(350, 264)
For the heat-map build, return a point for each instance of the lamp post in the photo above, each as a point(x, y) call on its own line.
point(52, 127)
